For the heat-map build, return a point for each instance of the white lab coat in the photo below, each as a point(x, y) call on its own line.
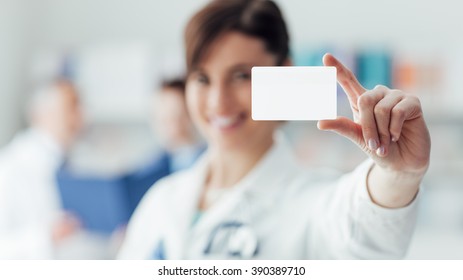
point(290, 212)
point(29, 200)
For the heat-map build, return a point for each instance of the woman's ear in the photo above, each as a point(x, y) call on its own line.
point(287, 62)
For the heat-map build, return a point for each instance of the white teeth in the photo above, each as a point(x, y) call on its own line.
point(223, 122)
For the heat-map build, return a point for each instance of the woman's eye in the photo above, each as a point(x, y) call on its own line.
point(241, 76)
point(202, 79)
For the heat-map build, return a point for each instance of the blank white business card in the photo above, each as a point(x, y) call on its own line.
point(293, 93)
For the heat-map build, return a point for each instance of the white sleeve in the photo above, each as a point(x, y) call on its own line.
point(351, 226)
point(18, 239)
point(32, 242)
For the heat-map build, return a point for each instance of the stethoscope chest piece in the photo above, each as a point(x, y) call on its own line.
point(235, 238)
point(243, 243)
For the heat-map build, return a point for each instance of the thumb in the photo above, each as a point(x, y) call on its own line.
point(344, 127)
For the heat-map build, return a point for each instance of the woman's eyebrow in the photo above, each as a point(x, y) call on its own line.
point(241, 66)
point(197, 70)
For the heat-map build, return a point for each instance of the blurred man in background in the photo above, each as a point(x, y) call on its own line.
point(32, 224)
point(180, 146)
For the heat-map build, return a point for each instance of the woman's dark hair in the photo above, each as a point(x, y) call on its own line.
point(175, 83)
point(258, 18)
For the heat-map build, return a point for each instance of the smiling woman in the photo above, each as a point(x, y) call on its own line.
point(219, 94)
point(223, 42)
point(247, 197)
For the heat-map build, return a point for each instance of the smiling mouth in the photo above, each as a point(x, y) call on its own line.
point(227, 123)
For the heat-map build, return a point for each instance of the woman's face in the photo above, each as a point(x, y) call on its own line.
point(219, 93)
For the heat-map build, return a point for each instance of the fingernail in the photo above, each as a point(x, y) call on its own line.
point(372, 144)
point(381, 151)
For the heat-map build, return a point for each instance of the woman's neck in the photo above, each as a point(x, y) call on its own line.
point(228, 167)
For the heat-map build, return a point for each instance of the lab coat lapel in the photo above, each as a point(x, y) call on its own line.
point(183, 207)
point(276, 169)
point(218, 212)
point(261, 186)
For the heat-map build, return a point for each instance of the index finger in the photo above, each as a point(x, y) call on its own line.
point(346, 78)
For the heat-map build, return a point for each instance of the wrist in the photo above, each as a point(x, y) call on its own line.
point(392, 189)
point(404, 176)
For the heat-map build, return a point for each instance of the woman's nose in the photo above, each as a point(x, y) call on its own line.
point(220, 99)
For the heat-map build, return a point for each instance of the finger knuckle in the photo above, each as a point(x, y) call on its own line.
point(381, 88)
point(397, 94)
point(399, 113)
point(416, 101)
point(365, 100)
point(381, 110)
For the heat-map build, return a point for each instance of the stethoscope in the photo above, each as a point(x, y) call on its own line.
point(236, 238)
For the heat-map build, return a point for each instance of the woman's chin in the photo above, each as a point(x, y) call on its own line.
point(229, 143)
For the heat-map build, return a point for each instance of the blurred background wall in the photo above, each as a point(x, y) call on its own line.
point(34, 34)
point(116, 50)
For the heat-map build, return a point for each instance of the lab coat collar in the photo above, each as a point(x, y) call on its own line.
point(184, 207)
point(272, 168)
point(266, 173)
point(262, 184)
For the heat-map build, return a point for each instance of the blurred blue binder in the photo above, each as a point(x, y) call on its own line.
point(100, 205)
point(103, 205)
